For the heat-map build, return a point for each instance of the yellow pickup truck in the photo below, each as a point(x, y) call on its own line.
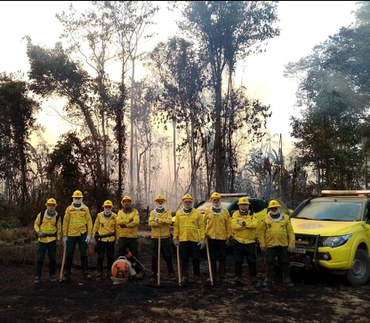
point(332, 232)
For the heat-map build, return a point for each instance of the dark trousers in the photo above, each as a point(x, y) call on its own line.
point(42, 248)
point(71, 245)
point(103, 248)
point(248, 251)
point(190, 250)
point(282, 255)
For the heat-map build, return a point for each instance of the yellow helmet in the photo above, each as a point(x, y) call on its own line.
point(274, 203)
point(51, 201)
point(215, 195)
point(159, 197)
point(187, 197)
point(126, 198)
point(77, 194)
point(243, 200)
point(108, 203)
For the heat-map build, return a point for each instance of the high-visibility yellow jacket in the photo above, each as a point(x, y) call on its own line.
point(217, 224)
point(49, 226)
point(163, 224)
point(276, 233)
point(77, 221)
point(127, 224)
point(104, 226)
point(247, 232)
point(189, 226)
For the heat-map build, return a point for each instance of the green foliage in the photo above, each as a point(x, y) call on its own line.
point(335, 93)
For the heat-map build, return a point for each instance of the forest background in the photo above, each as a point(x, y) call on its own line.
point(187, 125)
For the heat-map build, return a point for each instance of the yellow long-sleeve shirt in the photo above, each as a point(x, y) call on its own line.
point(127, 224)
point(244, 227)
point(105, 226)
point(217, 224)
point(163, 224)
point(189, 226)
point(77, 221)
point(49, 226)
point(276, 233)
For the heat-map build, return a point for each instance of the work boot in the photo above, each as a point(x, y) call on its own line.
point(67, 272)
point(289, 284)
point(99, 277)
point(153, 278)
point(184, 280)
point(197, 279)
point(66, 278)
point(237, 281)
point(84, 266)
point(37, 280)
point(221, 270)
point(255, 282)
point(38, 271)
point(52, 278)
point(267, 284)
point(171, 277)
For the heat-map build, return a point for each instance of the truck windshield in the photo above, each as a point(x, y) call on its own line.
point(331, 211)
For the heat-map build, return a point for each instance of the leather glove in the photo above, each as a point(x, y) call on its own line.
point(290, 249)
point(202, 243)
point(88, 238)
point(65, 240)
point(40, 234)
point(176, 242)
point(93, 241)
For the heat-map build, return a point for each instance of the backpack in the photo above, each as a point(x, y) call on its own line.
point(42, 213)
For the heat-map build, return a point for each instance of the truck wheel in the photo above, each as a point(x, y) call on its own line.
point(360, 272)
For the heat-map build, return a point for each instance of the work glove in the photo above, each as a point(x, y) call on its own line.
point(202, 243)
point(176, 242)
point(290, 249)
point(242, 223)
point(88, 238)
point(263, 249)
point(40, 234)
point(93, 241)
point(65, 240)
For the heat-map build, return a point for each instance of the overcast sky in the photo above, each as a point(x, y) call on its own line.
point(303, 24)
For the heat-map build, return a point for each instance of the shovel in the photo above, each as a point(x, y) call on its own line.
point(63, 262)
point(159, 259)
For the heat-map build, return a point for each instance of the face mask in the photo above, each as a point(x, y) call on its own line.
point(77, 202)
point(107, 212)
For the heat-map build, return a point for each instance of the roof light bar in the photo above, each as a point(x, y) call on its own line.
point(346, 192)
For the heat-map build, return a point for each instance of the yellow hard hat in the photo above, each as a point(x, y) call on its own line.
point(126, 198)
point(243, 200)
point(77, 194)
point(187, 197)
point(274, 203)
point(108, 203)
point(215, 195)
point(51, 201)
point(159, 197)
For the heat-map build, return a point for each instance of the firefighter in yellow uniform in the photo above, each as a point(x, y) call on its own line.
point(77, 229)
point(48, 230)
point(277, 239)
point(160, 220)
point(244, 225)
point(217, 220)
point(190, 236)
point(127, 229)
point(104, 237)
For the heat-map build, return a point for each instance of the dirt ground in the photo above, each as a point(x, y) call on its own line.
point(316, 297)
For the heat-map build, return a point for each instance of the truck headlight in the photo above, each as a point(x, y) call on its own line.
point(336, 241)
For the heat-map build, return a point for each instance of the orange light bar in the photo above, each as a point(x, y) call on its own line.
point(346, 192)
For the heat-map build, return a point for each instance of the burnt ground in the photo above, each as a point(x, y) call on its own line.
point(316, 297)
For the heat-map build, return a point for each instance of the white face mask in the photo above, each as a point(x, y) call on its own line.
point(77, 200)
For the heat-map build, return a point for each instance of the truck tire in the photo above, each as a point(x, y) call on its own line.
point(360, 272)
